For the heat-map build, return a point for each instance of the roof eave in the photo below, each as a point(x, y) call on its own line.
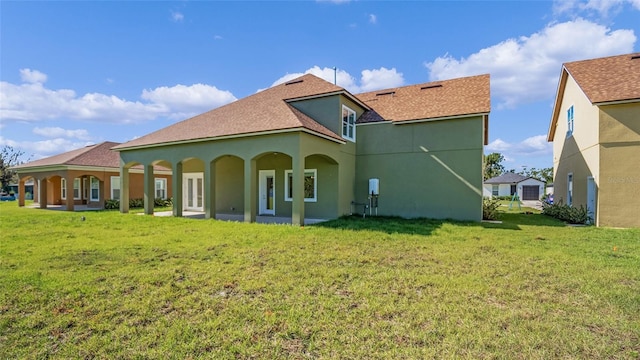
point(225, 137)
point(617, 102)
point(551, 132)
point(339, 92)
point(461, 116)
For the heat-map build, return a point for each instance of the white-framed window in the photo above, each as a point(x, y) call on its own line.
point(76, 189)
point(63, 188)
point(348, 123)
point(115, 187)
point(570, 121)
point(494, 190)
point(570, 189)
point(95, 188)
point(310, 185)
point(161, 188)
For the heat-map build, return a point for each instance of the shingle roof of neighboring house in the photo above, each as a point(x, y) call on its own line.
point(463, 96)
point(603, 80)
point(99, 155)
point(267, 110)
point(506, 178)
point(607, 79)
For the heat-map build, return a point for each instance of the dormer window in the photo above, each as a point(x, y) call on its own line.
point(348, 123)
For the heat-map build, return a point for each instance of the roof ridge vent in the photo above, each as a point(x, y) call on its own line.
point(293, 82)
point(633, 57)
point(386, 93)
point(431, 87)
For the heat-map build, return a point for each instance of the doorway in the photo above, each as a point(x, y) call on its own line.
point(267, 192)
point(193, 191)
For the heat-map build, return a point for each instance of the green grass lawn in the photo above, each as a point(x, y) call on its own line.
point(129, 286)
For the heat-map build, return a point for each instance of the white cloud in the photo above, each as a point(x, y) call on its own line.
point(370, 80)
point(526, 69)
point(534, 146)
point(373, 19)
point(32, 76)
point(177, 16)
point(33, 102)
point(217, 37)
point(188, 100)
point(58, 132)
point(601, 7)
point(35, 150)
point(382, 78)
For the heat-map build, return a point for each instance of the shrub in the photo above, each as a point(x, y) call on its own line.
point(490, 209)
point(136, 203)
point(112, 204)
point(566, 213)
point(160, 202)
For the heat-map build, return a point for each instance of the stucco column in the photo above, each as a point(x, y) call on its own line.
point(43, 193)
point(36, 191)
point(21, 190)
point(250, 190)
point(70, 197)
point(124, 189)
point(297, 206)
point(210, 190)
point(176, 190)
point(149, 190)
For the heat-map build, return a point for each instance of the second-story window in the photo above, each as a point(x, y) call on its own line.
point(348, 123)
point(570, 121)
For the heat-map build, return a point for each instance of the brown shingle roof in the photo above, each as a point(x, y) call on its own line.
point(608, 79)
point(463, 96)
point(99, 155)
point(260, 112)
point(613, 78)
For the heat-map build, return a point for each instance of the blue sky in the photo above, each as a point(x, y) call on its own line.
point(76, 73)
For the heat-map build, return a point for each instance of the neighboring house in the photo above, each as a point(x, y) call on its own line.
point(509, 183)
point(28, 189)
point(88, 176)
point(595, 130)
point(308, 149)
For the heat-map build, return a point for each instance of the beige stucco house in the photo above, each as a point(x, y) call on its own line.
point(87, 177)
point(595, 130)
point(308, 149)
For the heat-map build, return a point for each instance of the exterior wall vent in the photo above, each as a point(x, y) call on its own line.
point(431, 87)
point(293, 82)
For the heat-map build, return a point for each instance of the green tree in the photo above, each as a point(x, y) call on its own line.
point(493, 165)
point(544, 174)
point(9, 157)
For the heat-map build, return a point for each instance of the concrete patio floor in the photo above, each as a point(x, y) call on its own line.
point(261, 219)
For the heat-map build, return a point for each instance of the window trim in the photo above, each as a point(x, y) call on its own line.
point(570, 189)
point(495, 190)
point(63, 188)
point(164, 188)
point(570, 121)
point(76, 181)
point(348, 126)
point(287, 184)
point(117, 179)
point(94, 180)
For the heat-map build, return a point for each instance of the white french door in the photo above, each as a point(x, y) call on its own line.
point(193, 192)
point(267, 192)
